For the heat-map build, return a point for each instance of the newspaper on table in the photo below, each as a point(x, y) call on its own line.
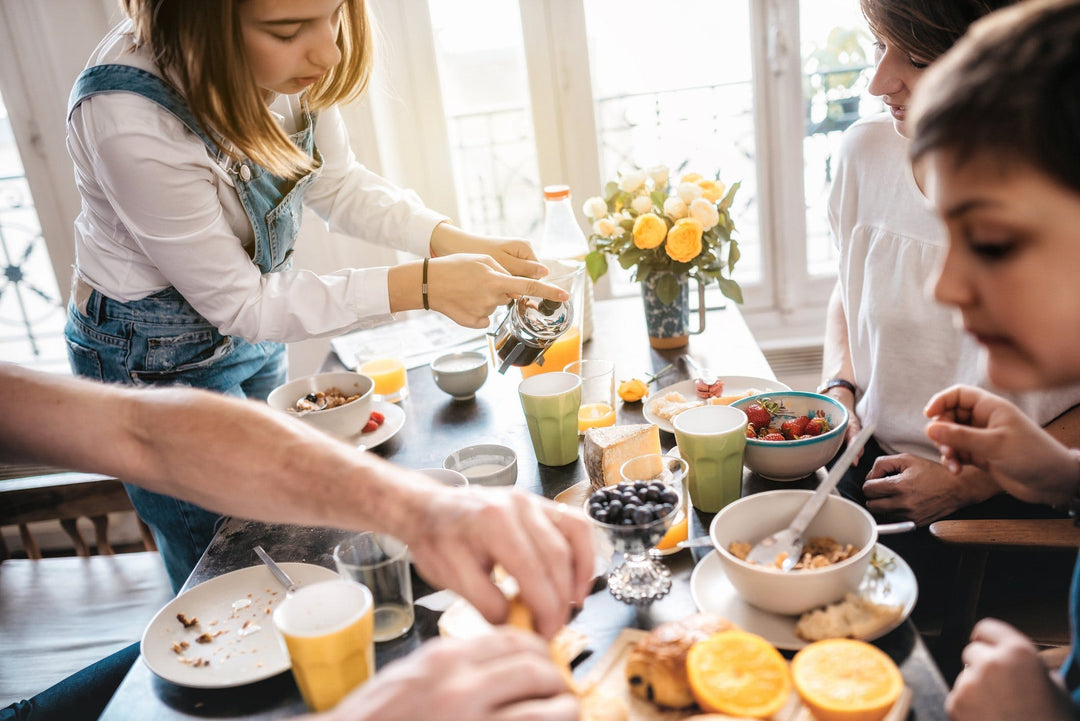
point(422, 338)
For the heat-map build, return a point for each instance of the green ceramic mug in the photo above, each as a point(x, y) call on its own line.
point(551, 402)
point(712, 439)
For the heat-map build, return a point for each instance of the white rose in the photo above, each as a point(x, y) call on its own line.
point(659, 175)
point(621, 217)
point(605, 228)
point(641, 204)
point(631, 180)
point(705, 213)
point(675, 208)
point(689, 192)
point(595, 207)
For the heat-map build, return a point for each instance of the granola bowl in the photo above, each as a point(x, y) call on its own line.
point(752, 518)
point(343, 421)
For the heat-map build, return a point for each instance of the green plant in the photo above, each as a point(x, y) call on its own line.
point(648, 225)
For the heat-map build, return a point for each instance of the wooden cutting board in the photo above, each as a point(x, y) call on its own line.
point(606, 684)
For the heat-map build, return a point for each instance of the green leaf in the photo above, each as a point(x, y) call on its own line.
point(658, 197)
point(730, 197)
point(731, 289)
point(627, 225)
point(667, 289)
point(733, 255)
point(596, 265)
point(609, 192)
point(629, 257)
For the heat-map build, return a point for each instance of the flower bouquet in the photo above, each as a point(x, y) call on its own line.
point(677, 231)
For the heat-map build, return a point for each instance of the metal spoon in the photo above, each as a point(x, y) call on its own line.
point(699, 373)
point(275, 569)
point(789, 540)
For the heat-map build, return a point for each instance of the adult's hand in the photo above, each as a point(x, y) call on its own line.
point(468, 288)
point(505, 676)
point(920, 490)
point(457, 539)
point(516, 255)
point(974, 426)
point(1003, 679)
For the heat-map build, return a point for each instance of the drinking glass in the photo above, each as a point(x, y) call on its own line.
point(384, 361)
point(381, 563)
point(597, 393)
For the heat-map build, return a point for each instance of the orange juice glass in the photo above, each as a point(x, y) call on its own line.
point(389, 376)
point(597, 392)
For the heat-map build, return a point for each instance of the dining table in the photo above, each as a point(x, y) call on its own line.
point(435, 425)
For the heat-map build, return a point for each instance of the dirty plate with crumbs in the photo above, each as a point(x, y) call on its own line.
point(220, 633)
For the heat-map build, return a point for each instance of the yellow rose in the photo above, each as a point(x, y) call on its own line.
point(649, 231)
point(690, 178)
point(633, 390)
point(712, 190)
point(684, 240)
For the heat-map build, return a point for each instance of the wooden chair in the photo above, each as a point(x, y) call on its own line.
point(38, 493)
point(58, 615)
point(976, 539)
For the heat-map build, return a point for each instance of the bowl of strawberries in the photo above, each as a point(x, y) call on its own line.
point(791, 434)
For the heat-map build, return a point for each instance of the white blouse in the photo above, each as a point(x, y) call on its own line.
point(158, 210)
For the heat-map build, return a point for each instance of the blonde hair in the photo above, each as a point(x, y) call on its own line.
point(200, 43)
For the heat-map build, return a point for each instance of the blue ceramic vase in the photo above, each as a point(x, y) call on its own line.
point(668, 325)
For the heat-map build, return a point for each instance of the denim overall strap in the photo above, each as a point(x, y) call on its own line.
point(115, 78)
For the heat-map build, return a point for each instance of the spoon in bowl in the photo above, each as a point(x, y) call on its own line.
point(787, 544)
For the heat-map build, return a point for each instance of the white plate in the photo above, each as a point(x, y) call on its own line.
point(395, 419)
point(235, 659)
point(733, 385)
point(713, 593)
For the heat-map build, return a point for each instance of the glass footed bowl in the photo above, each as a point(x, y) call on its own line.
point(640, 579)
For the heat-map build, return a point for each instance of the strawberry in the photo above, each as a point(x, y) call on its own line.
point(758, 415)
point(774, 437)
point(816, 426)
point(794, 427)
point(371, 425)
point(379, 418)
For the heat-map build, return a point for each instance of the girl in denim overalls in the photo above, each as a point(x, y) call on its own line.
point(196, 140)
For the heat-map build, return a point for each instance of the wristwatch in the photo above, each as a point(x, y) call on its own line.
point(836, 383)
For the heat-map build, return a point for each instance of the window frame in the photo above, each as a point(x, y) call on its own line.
point(788, 302)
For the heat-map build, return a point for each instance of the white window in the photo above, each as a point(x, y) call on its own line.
point(570, 91)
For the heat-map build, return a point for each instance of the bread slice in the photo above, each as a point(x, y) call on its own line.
point(854, 617)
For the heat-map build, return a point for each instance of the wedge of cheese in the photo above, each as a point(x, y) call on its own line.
point(606, 449)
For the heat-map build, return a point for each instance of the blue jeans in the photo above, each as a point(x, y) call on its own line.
point(81, 696)
point(161, 340)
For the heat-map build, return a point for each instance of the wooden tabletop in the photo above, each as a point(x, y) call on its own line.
point(436, 425)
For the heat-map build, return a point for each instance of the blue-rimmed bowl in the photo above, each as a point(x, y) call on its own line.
point(793, 460)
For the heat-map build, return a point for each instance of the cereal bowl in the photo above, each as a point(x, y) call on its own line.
point(754, 517)
point(791, 460)
point(460, 374)
point(343, 421)
point(485, 464)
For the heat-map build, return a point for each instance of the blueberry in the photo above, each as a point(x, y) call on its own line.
point(600, 514)
point(311, 398)
point(627, 521)
point(669, 496)
point(651, 494)
point(615, 507)
point(666, 509)
point(643, 515)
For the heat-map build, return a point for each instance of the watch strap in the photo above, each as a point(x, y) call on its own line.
point(836, 383)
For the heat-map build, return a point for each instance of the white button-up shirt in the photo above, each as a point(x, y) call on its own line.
point(158, 210)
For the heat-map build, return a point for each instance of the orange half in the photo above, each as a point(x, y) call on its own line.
point(738, 673)
point(842, 679)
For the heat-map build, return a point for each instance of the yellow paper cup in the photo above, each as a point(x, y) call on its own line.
point(327, 628)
